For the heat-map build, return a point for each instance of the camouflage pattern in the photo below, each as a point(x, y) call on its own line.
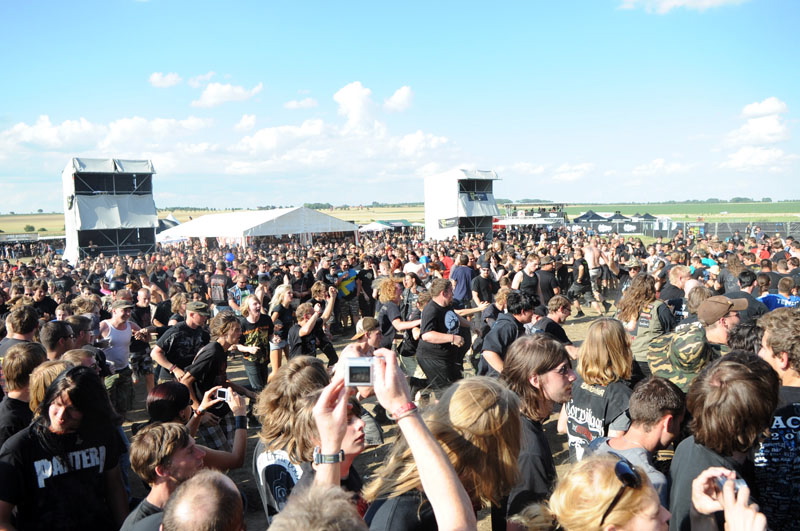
point(680, 356)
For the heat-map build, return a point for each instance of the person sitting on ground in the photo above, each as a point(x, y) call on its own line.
point(657, 409)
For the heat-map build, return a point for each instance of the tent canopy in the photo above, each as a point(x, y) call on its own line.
point(375, 226)
point(298, 220)
point(589, 216)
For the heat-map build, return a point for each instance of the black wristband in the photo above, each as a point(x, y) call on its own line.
point(240, 422)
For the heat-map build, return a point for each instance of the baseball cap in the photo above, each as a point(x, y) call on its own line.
point(121, 304)
point(364, 325)
point(197, 307)
point(715, 308)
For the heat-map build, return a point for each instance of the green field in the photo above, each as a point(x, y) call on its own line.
point(53, 223)
point(756, 211)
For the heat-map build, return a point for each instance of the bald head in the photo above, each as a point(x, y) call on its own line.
point(209, 501)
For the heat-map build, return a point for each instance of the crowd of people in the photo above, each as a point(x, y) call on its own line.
point(679, 407)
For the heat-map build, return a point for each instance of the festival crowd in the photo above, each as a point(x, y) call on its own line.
point(681, 406)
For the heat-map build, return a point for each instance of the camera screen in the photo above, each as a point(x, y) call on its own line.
point(360, 374)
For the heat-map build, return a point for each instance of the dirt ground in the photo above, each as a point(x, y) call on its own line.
point(368, 462)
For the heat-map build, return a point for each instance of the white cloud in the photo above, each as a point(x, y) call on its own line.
point(764, 108)
point(665, 6)
point(216, 94)
point(660, 167)
point(247, 122)
point(572, 172)
point(762, 130)
point(528, 168)
point(44, 134)
point(199, 81)
point(137, 133)
point(305, 103)
point(758, 158)
point(415, 144)
point(357, 106)
point(400, 100)
point(271, 139)
point(161, 80)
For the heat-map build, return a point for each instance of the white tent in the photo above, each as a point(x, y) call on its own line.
point(239, 225)
point(375, 226)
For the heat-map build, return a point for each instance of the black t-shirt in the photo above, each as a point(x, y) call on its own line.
point(536, 467)
point(46, 306)
point(59, 492)
point(143, 510)
point(142, 316)
point(580, 275)
point(485, 287)
point(671, 292)
point(181, 343)
point(411, 511)
point(301, 345)
point(257, 334)
point(547, 285)
point(63, 284)
point(159, 278)
point(286, 316)
point(592, 411)
point(437, 318)
point(14, 416)
point(545, 324)
point(367, 276)
point(386, 316)
point(504, 332)
point(777, 464)
point(209, 368)
point(163, 311)
point(219, 285)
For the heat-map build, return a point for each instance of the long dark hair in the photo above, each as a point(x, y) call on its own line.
point(88, 395)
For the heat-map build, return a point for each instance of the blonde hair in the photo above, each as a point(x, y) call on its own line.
point(41, 378)
point(605, 356)
point(584, 494)
point(277, 297)
point(283, 424)
point(477, 423)
point(388, 289)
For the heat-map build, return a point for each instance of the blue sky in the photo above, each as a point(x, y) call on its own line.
point(248, 103)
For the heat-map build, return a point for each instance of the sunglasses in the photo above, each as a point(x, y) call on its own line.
point(629, 477)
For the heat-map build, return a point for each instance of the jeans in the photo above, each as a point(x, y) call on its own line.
point(257, 374)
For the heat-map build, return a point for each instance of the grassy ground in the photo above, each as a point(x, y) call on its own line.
point(53, 223)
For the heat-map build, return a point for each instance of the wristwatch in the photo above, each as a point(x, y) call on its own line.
point(327, 459)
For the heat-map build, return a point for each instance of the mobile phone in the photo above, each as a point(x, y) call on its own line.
point(358, 372)
point(223, 394)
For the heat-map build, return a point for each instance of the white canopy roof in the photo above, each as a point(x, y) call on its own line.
point(298, 220)
point(375, 226)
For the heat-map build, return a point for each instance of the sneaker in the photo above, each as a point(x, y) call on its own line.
point(580, 314)
point(606, 306)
